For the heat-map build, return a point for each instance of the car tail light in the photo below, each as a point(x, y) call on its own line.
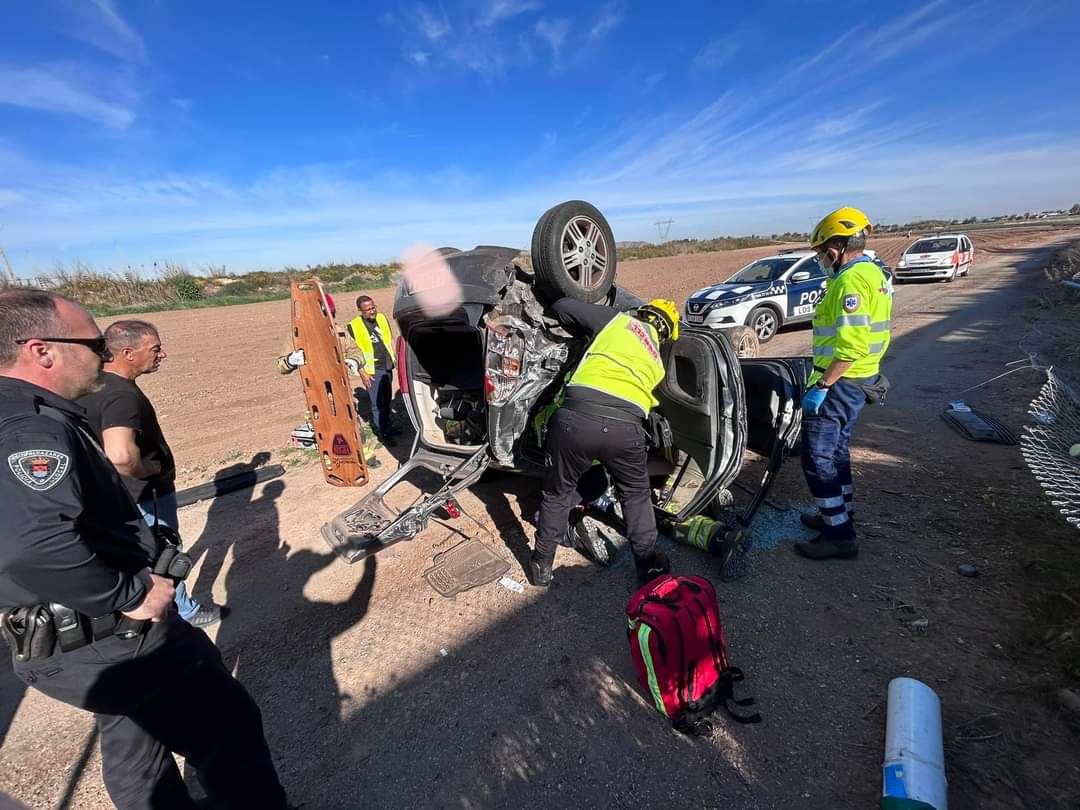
point(505, 358)
point(401, 352)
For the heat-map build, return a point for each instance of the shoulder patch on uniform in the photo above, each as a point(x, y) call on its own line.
point(39, 469)
point(851, 302)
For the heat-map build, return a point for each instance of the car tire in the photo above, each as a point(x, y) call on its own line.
point(765, 322)
point(744, 340)
point(573, 252)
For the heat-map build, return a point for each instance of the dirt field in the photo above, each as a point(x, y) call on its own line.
point(377, 692)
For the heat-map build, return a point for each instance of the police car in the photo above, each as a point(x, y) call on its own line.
point(765, 295)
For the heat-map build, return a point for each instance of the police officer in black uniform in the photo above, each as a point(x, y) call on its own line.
point(88, 622)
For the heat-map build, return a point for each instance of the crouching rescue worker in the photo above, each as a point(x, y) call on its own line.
point(851, 335)
point(86, 589)
point(608, 398)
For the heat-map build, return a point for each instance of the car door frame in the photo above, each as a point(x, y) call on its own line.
point(805, 288)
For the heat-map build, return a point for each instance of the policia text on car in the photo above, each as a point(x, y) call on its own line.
point(851, 335)
point(89, 622)
point(608, 397)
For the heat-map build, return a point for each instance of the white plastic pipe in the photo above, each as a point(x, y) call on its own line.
point(914, 767)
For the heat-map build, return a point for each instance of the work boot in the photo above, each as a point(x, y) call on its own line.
point(812, 520)
point(587, 540)
point(539, 570)
point(655, 565)
point(822, 548)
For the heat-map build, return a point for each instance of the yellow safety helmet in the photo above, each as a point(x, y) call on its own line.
point(664, 317)
point(845, 221)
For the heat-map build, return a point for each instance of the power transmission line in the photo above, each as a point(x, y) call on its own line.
point(663, 228)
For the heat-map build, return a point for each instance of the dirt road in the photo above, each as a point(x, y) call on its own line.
point(378, 692)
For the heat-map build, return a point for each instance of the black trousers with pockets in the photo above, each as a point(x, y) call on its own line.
point(163, 693)
point(574, 440)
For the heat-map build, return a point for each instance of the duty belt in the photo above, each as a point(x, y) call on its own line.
point(602, 411)
point(36, 631)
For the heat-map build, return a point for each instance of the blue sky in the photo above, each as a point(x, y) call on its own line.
point(264, 134)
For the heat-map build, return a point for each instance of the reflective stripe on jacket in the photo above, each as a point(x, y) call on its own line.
point(852, 320)
point(363, 339)
point(623, 361)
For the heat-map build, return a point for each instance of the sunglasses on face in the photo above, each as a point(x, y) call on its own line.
point(97, 345)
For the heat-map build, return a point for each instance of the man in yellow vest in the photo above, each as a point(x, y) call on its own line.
point(371, 331)
point(851, 335)
point(608, 397)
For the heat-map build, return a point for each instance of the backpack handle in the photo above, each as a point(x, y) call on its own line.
point(667, 587)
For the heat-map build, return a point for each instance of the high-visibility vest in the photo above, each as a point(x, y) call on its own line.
point(363, 339)
point(623, 361)
point(852, 320)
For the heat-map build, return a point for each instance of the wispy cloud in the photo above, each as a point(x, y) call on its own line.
point(433, 24)
point(653, 79)
point(553, 30)
point(57, 89)
point(418, 57)
point(98, 23)
point(495, 11)
point(716, 54)
point(609, 18)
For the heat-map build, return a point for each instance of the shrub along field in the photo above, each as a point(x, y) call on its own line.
point(174, 287)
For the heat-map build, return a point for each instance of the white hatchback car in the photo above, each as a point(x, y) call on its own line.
point(942, 256)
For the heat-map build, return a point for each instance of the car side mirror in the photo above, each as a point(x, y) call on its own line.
point(801, 275)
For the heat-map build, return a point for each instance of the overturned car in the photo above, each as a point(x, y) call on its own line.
point(480, 382)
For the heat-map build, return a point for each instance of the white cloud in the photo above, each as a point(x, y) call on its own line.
point(554, 32)
point(182, 104)
point(716, 54)
point(497, 10)
point(609, 18)
point(55, 89)
point(98, 23)
point(418, 57)
point(432, 25)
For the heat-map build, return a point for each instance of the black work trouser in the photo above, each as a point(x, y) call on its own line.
point(574, 440)
point(167, 691)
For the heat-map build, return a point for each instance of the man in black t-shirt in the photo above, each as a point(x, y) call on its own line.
point(127, 426)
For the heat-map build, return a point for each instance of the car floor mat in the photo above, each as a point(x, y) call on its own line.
point(465, 566)
point(978, 427)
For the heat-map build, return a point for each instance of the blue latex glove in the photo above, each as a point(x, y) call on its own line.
point(811, 403)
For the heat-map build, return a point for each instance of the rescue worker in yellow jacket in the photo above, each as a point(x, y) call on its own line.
point(608, 398)
point(851, 335)
point(371, 331)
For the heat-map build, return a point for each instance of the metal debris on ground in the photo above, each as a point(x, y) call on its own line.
point(978, 427)
point(1047, 445)
point(512, 584)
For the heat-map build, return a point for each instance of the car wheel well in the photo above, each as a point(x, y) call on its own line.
point(768, 305)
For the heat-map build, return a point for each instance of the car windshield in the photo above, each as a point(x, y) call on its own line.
point(933, 246)
point(764, 270)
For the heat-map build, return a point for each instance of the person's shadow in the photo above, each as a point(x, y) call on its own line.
point(276, 640)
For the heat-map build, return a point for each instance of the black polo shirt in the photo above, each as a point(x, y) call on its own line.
point(69, 530)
